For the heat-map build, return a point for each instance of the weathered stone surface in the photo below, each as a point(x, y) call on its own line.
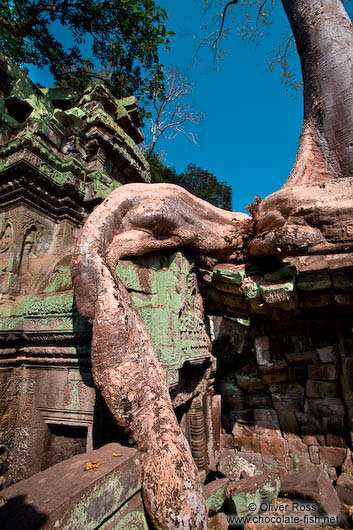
point(232, 334)
point(228, 273)
point(219, 522)
point(315, 484)
point(262, 349)
point(249, 383)
point(327, 354)
point(314, 281)
point(344, 488)
point(232, 395)
point(252, 491)
point(257, 400)
point(234, 466)
point(165, 292)
point(67, 496)
point(299, 358)
point(333, 456)
point(326, 372)
point(314, 453)
point(347, 466)
point(215, 494)
point(321, 389)
point(325, 407)
point(342, 279)
point(279, 295)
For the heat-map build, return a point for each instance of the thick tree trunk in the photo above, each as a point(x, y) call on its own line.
point(313, 212)
point(324, 38)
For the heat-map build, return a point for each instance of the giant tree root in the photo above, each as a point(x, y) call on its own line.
point(133, 220)
point(312, 218)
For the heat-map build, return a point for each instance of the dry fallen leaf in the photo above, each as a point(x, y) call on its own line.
point(117, 454)
point(92, 465)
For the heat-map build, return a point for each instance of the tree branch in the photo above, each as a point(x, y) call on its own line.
point(232, 2)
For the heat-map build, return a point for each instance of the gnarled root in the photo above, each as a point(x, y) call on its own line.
point(134, 220)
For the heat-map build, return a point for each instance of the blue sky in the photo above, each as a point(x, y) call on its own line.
point(250, 133)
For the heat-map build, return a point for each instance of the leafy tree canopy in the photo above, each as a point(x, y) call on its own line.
point(198, 181)
point(113, 40)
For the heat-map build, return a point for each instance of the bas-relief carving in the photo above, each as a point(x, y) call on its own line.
point(31, 230)
point(43, 203)
point(6, 236)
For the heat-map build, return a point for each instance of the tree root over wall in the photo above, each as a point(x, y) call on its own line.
point(136, 219)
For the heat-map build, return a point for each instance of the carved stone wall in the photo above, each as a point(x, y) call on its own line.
point(285, 361)
point(60, 155)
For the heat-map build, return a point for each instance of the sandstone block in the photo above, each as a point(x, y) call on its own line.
point(299, 357)
point(247, 382)
point(247, 443)
point(219, 522)
point(347, 466)
point(314, 281)
point(315, 484)
point(315, 300)
point(343, 299)
point(327, 354)
point(258, 400)
point(326, 407)
point(253, 490)
point(333, 456)
point(262, 350)
point(228, 288)
point(275, 377)
point(273, 446)
point(344, 488)
point(229, 273)
point(323, 372)
point(227, 441)
point(288, 423)
point(321, 389)
point(234, 466)
point(232, 395)
point(314, 454)
point(336, 440)
point(342, 279)
point(215, 494)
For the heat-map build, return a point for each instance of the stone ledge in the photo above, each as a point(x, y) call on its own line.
point(67, 497)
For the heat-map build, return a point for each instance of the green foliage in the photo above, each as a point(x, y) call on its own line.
point(120, 39)
point(198, 181)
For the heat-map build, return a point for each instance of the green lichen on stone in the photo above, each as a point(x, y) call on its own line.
point(82, 122)
point(231, 274)
point(100, 185)
point(48, 305)
point(215, 501)
point(60, 280)
point(342, 280)
point(283, 274)
point(55, 312)
point(133, 520)
point(102, 500)
point(163, 290)
point(286, 287)
point(250, 288)
point(248, 503)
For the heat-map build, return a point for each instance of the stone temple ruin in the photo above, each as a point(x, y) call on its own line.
point(257, 347)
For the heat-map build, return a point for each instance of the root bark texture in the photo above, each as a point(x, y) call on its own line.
point(136, 219)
